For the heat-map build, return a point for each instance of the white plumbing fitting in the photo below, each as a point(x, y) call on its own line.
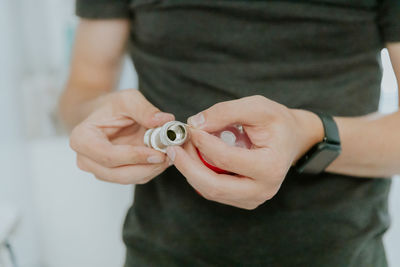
point(173, 133)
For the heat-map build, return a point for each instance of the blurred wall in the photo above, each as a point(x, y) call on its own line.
point(15, 183)
point(67, 218)
point(389, 103)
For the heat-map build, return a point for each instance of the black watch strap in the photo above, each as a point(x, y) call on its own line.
point(323, 153)
point(330, 128)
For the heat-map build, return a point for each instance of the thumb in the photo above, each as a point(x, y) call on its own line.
point(144, 113)
point(247, 111)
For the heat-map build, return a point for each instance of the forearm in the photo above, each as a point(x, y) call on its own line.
point(370, 146)
point(95, 67)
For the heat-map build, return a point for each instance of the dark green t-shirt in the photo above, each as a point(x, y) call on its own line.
point(308, 54)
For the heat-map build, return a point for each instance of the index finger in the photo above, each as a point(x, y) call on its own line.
point(210, 184)
point(245, 111)
point(243, 161)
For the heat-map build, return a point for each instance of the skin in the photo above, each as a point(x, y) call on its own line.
point(108, 129)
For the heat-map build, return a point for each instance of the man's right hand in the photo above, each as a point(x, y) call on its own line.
point(109, 127)
point(109, 143)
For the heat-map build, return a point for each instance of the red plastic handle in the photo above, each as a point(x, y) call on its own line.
point(212, 167)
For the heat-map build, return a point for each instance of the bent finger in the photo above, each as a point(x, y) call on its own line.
point(129, 174)
point(243, 161)
point(94, 144)
point(142, 111)
point(217, 187)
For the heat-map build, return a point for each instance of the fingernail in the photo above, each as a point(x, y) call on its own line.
point(154, 159)
point(197, 120)
point(171, 153)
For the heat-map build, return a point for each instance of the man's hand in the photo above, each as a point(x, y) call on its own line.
point(279, 135)
point(109, 143)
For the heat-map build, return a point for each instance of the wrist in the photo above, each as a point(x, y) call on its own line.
point(310, 131)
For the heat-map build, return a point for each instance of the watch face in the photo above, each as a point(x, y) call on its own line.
point(319, 158)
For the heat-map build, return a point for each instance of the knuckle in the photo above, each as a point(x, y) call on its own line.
point(80, 164)
point(258, 98)
point(133, 92)
point(142, 179)
point(79, 139)
point(126, 178)
point(206, 195)
point(214, 193)
point(199, 141)
point(136, 178)
point(104, 161)
point(267, 194)
point(137, 156)
point(145, 180)
point(118, 180)
point(252, 206)
point(74, 139)
point(72, 142)
point(124, 181)
point(218, 107)
point(100, 177)
point(148, 178)
point(256, 200)
point(222, 162)
point(279, 171)
point(268, 197)
point(259, 103)
point(141, 182)
point(128, 93)
point(104, 175)
point(264, 197)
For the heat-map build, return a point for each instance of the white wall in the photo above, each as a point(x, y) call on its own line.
point(389, 103)
point(80, 218)
point(15, 185)
point(67, 217)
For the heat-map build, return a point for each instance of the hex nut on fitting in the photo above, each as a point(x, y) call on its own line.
point(173, 133)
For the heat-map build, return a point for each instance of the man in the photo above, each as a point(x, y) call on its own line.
point(269, 66)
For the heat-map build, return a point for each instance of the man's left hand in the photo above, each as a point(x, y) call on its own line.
point(279, 137)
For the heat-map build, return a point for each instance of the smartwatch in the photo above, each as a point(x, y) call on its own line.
point(318, 158)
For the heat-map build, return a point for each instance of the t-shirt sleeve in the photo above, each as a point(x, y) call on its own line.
point(389, 20)
point(103, 9)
